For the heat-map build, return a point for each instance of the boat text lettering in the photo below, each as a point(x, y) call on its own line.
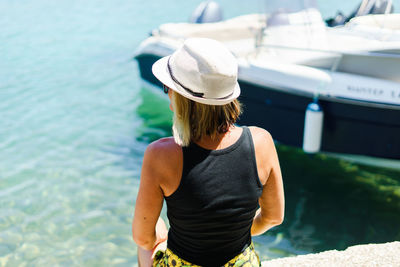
point(365, 90)
point(396, 94)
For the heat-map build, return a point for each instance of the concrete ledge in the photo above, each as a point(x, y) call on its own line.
point(387, 254)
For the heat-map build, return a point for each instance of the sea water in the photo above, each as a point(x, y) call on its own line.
point(75, 121)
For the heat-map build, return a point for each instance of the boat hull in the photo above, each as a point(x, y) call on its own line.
point(353, 127)
point(349, 127)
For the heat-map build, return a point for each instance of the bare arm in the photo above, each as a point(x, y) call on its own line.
point(147, 229)
point(272, 203)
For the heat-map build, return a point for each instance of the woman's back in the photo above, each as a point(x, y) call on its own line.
point(212, 210)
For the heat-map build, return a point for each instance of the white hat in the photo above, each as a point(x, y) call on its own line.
point(202, 70)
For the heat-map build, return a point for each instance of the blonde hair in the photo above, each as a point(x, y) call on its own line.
point(193, 120)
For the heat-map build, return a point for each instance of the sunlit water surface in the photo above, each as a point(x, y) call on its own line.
point(74, 123)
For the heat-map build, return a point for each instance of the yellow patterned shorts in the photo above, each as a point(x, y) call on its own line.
point(248, 258)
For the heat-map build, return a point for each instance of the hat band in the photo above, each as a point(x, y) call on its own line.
point(181, 85)
point(196, 94)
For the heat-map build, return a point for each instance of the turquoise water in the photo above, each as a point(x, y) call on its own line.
point(74, 123)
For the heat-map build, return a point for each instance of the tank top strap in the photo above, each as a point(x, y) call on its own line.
point(248, 142)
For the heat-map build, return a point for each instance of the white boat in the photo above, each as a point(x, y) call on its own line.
point(287, 60)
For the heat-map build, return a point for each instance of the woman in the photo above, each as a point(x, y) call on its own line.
point(222, 183)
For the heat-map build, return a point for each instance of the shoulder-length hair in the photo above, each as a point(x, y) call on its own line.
point(193, 120)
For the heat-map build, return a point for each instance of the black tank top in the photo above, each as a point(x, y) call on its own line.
point(211, 212)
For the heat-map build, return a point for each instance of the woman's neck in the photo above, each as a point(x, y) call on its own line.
point(222, 140)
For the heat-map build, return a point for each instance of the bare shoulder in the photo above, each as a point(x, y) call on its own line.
point(166, 144)
point(261, 137)
point(163, 149)
point(265, 152)
point(163, 161)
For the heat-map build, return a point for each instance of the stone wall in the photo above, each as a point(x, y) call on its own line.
point(387, 254)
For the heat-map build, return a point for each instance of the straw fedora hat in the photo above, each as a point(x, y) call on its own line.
point(202, 70)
